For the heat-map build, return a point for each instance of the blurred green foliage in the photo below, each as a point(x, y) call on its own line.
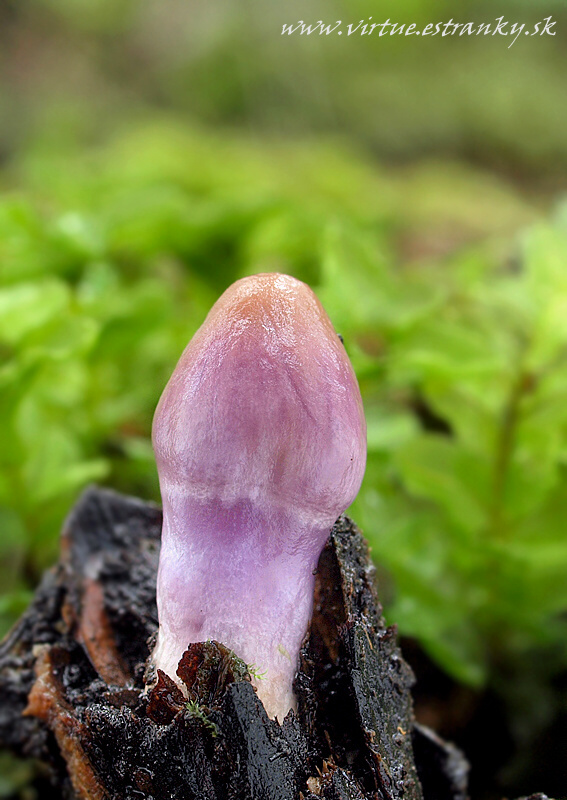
point(109, 270)
point(466, 493)
point(70, 69)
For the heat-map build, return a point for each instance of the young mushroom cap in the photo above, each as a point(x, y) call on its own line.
point(260, 442)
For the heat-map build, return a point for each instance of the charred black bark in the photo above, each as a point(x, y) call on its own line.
point(73, 692)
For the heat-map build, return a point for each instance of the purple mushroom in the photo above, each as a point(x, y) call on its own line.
point(260, 441)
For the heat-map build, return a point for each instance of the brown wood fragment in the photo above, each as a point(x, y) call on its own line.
point(96, 634)
point(47, 702)
point(206, 669)
point(166, 700)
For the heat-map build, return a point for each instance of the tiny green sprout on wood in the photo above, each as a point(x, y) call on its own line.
point(196, 711)
point(260, 442)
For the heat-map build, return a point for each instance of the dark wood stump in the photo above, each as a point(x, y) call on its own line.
point(72, 682)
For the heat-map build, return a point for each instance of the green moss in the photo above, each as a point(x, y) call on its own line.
point(197, 712)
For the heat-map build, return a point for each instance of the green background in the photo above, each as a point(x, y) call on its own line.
point(152, 153)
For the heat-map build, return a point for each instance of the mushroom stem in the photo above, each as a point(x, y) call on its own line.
point(258, 601)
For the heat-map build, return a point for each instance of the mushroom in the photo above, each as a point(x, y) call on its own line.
point(260, 443)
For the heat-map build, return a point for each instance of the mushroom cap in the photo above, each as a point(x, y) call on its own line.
point(264, 406)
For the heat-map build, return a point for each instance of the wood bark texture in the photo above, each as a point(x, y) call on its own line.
point(73, 678)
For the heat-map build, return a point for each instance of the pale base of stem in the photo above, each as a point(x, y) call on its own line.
point(274, 689)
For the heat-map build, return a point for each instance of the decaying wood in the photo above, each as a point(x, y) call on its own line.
point(72, 679)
